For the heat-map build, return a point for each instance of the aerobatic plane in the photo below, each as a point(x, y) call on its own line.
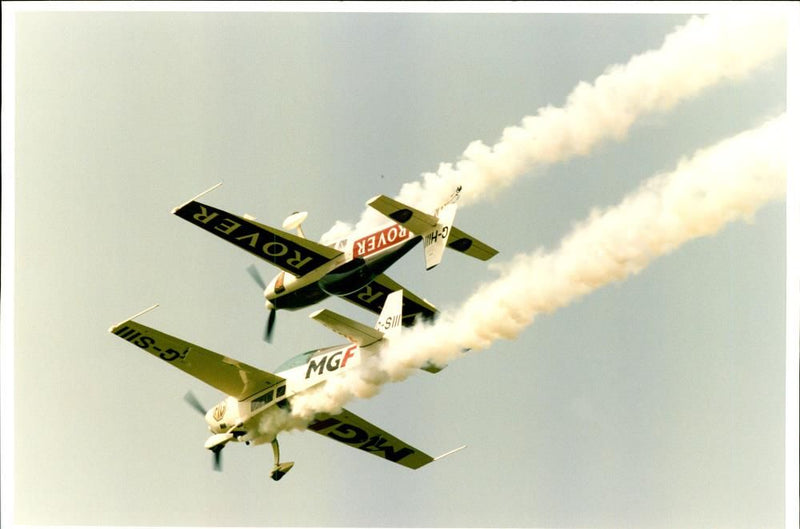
point(351, 267)
point(256, 399)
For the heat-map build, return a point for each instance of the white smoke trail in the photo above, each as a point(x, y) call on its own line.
point(696, 56)
point(717, 185)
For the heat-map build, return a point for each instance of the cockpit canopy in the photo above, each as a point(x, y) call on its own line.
point(303, 358)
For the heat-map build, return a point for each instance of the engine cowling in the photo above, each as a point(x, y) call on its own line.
point(217, 441)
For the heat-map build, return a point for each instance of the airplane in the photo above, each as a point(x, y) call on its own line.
point(351, 267)
point(258, 400)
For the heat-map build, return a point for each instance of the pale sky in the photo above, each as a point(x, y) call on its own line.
point(657, 401)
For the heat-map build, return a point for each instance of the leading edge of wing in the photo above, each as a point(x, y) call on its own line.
point(230, 376)
point(291, 253)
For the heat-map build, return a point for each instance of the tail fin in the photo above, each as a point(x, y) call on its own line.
point(436, 239)
point(390, 320)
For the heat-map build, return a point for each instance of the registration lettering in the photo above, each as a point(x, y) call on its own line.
point(150, 344)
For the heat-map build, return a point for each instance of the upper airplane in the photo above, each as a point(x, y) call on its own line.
point(351, 267)
point(257, 404)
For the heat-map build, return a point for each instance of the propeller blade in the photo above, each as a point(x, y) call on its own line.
point(194, 403)
point(270, 326)
point(256, 275)
point(218, 459)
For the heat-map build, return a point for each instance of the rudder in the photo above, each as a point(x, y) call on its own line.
point(390, 320)
point(435, 241)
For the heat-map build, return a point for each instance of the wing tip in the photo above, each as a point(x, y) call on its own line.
point(209, 190)
point(490, 253)
point(314, 315)
point(451, 452)
point(373, 199)
point(148, 309)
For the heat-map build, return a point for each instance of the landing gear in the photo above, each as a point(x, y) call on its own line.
point(280, 469)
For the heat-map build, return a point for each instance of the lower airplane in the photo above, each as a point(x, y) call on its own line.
point(253, 394)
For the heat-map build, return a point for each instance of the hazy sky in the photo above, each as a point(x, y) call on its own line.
point(657, 401)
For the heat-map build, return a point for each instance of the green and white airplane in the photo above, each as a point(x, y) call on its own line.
point(253, 394)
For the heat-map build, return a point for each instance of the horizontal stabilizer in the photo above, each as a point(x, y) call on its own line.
point(425, 224)
point(469, 245)
point(356, 332)
point(415, 220)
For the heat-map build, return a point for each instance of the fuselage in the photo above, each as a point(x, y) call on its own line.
point(259, 418)
point(364, 256)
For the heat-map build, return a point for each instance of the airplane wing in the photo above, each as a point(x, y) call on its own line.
point(230, 376)
point(294, 254)
point(372, 297)
point(467, 244)
point(352, 430)
point(418, 222)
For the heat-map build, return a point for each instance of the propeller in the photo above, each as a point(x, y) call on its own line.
point(218, 458)
point(194, 402)
point(256, 275)
point(270, 325)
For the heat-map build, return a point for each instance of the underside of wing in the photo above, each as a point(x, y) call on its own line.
point(352, 430)
point(469, 245)
point(289, 252)
point(416, 221)
point(230, 376)
point(373, 296)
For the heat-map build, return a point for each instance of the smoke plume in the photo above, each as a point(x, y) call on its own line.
point(717, 185)
point(696, 56)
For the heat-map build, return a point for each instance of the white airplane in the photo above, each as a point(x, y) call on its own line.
point(255, 395)
point(352, 267)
